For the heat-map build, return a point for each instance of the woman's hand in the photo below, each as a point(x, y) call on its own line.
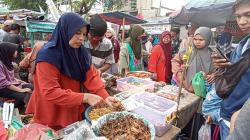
point(20, 81)
point(26, 90)
point(210, 78)
point(179, 76)
point(209, 119)
point(220, 62)
point(111, 101)
point(99, 72)
point(91, 99)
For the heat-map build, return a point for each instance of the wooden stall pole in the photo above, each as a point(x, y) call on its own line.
point(123, 29)
point(185, 60)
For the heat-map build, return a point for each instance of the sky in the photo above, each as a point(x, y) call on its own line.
point(174, 4)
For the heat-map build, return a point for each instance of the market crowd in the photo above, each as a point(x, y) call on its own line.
point(71, 60)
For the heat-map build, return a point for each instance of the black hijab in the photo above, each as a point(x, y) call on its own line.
point(70, 61)
point(7, 51)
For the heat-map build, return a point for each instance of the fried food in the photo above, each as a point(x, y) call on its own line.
point(102, 108)
point(97, 113)
point(126, 128)
point(140, 74)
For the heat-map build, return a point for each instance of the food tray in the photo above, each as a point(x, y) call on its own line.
point(154, 108)
point(101, 121)
point(86, 114)
point(130, 83)
point(139, 74)
point(126, 94)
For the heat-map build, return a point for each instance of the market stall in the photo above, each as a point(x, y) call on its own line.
point(40, 27)
point(146, 106)
point(128, 86)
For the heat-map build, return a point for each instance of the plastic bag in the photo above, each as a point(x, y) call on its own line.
point(83, 132)
point(199, 85)
point(3, 132)
point(34, 132)
point(205, 132)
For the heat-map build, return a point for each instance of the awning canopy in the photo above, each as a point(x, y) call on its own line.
point(210, 13)
point(36, 26)
point(117, 18)
point(4, 10)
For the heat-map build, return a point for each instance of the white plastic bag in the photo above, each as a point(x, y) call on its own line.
point(83, 133)
point(205, 132)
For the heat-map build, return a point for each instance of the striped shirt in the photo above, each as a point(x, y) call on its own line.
point(102, 54)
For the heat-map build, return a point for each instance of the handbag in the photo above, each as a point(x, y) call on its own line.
point(228, 78)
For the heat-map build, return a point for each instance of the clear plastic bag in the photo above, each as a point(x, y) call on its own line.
point(83, 132)
point(205, 132)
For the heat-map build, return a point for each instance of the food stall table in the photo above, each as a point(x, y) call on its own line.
point(188, 107)
point(171, 134)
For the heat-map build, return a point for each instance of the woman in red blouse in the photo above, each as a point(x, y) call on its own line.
point(63, 72)
point(160, 58)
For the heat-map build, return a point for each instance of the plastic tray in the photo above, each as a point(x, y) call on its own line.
point(154, 108)
point(130, 83)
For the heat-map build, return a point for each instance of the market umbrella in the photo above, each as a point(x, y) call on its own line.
point(210, 13)
point(118, 17)
point(121, 18)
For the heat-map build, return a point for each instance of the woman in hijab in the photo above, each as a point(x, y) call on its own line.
point(10, 87)
point(131, 51)
point(160, 58)
point(199, 59)
point(110, 34)
point(65, 78)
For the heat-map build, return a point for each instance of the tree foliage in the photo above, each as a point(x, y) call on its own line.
point(84, 6)
point(79, 6)
point(111, 5)
point(27, 4)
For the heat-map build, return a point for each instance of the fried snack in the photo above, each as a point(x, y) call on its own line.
point(126, 128)
point(118, 107)
point(97, 113)
point(102, 108)
point(140, 75)
point(101, 104)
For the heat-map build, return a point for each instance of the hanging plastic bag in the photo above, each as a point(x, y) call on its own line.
point(199, 85)
point(34, 131)
point(205, 132)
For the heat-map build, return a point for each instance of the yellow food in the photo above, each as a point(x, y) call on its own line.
point(97, 113)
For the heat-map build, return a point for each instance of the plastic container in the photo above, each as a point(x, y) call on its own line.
point(106, 75)
point(126, 94)
point(155, 109)
point(86, 114)
point(129, 83)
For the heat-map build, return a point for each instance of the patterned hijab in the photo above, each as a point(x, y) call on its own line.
point(135, 32)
